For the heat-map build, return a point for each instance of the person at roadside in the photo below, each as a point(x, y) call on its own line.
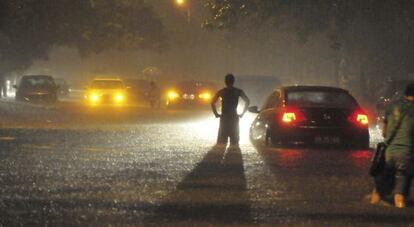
point(229, 118)
point(399, 155)
point(154, 95)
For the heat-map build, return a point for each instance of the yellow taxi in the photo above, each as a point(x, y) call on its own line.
point(106, 91)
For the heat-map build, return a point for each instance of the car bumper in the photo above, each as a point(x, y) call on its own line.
point(188, 103)
point(326, 136)
point(37, 97)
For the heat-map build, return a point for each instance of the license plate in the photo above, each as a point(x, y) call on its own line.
point(327, 140)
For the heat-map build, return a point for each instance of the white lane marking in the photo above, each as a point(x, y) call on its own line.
point(7, 138)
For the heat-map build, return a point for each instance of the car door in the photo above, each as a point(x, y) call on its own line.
point(265, 118)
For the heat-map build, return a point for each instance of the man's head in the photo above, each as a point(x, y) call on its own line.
point(229, 80)
point(409, 92)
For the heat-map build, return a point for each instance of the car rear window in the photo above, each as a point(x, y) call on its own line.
point(194, 86)
point(37, 81)
point(107, 84)
point(320, 98)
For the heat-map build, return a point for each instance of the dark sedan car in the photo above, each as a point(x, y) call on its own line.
point(36, 88)
point(190, 94)
point(310, 115)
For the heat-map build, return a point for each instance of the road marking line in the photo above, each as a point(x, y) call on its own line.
point(44, 147)
point(7, 138)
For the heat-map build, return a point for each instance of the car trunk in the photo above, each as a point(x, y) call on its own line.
point(325, 117)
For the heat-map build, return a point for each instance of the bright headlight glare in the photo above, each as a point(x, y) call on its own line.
point(205, 96)
point(94, 97)
point(119, 97)
point(172, 95)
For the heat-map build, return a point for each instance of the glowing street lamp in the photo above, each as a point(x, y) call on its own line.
point(183, 3)
point(180, 2)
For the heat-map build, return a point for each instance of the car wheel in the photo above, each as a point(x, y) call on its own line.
point(271, 139)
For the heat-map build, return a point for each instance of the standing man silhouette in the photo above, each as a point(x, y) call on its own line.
point(229, 118)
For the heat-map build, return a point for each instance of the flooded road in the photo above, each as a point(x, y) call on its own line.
point(161, 167)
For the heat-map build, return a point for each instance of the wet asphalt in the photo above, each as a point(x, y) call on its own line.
point(67, 165)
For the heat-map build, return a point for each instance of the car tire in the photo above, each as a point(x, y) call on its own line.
point(272, 140)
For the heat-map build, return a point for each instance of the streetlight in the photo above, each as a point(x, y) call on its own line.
point(183, 3)
point(180, 2)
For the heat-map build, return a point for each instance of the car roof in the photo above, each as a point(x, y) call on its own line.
point(313, 88)
point(196, 83)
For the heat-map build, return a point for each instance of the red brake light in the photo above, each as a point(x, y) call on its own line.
point(362, 118)
point(292, 116)
point(289, 117)
point(359, 118)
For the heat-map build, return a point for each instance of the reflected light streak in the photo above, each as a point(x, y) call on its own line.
point(289, 155)
point(361, 154)
point(360, 158)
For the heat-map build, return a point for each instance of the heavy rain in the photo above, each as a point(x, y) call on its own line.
point(202, 112)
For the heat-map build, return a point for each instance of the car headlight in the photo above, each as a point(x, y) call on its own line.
point(119, 97)
point(94, 97)
point(172, 95)
point(205, 96)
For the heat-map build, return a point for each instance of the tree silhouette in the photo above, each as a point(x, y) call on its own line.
point(30, 28)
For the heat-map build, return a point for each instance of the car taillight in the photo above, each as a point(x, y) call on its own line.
point(359, 118)
point(292, 116)
point(362, 119)
point(289, 117)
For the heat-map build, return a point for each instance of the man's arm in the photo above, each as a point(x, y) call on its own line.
point(213, 104)
point(246, 102)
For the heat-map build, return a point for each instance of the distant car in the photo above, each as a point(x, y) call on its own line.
point(191, 94)
point(63, 87)
point(106, 91)
point(36, 88)
point(310, 115)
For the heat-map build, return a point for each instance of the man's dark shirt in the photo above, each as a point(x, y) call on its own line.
point(229, 100)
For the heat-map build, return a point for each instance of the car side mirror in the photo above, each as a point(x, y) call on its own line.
point(253, 109)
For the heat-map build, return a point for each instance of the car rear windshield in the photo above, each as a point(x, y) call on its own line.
point(107, 84)
point(320, 98)
point(37, 82)
point(194, 86)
